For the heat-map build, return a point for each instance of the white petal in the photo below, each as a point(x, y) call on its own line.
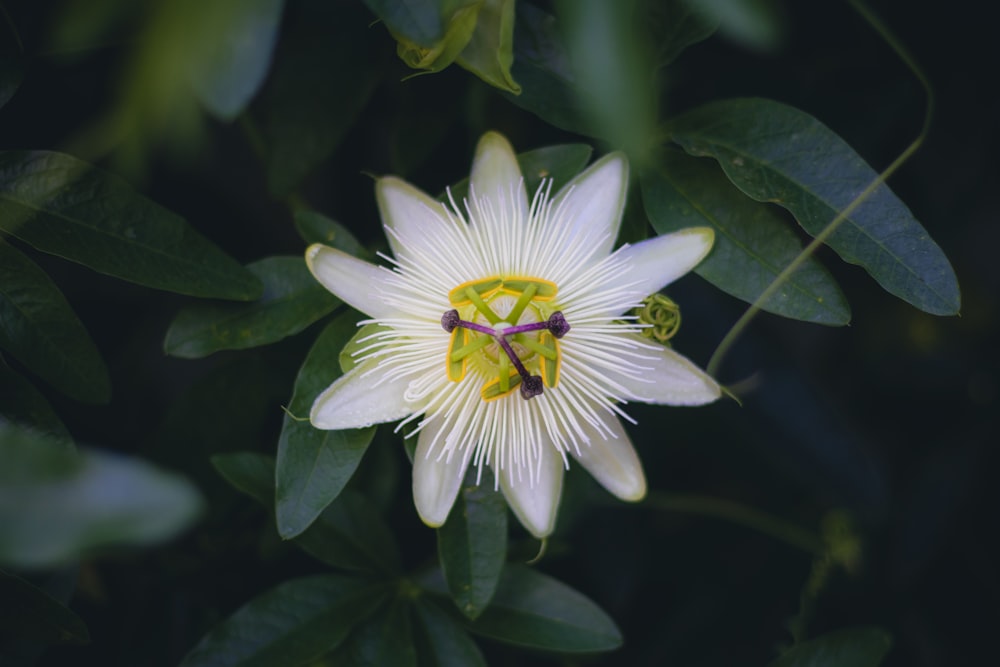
point(413, 218)
point(356, 282)
point(655, 263)
point(592, 205)
point(357, 399)
point(536, 506)
point(435, 482)
point(495, 171)
point(668, 379)
point(612, 461)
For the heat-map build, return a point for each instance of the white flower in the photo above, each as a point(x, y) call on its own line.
point(504, 333)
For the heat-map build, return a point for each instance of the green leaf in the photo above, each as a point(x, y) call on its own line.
point(292, 300)
point(752, 243)
point(489, 53)
point(22, 404)
point(852, 647)
point(534, 610)
point(55, 506)
point(385, 639)
point(29, 613)
point(230, 68)
point(314, 465)
point(419, 21)
point(472, 544)
point(320, 82)
point(68, 208)
point(290, 624)
point(543, 69)
point(756, 24)
point(560, 163)
point(677, 26)
point(447, 642)
point(315, 227)
point(38, 326)
point(348, 534)
point(779, 154)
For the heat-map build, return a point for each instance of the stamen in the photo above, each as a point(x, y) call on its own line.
point(556, 323)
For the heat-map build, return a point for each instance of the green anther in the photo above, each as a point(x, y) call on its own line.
point(503, 373)
point(522, 303)
point(484, 288)
point(481, 305)
point(478, 343)
point(492, 390)
point(545, 291)
point(549, 367)
point(536, 347)
point(456, 364)
point(662, 314)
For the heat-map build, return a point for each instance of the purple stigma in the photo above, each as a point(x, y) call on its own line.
point(558, 324)
point(450, 320)
point(531, 386)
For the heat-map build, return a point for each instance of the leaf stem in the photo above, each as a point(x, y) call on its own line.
point(737, 329)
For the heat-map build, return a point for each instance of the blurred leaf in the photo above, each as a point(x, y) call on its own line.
point(757, 24)
point(292, 300)
point(314, 465)
point(770, 151)
point(288, 625)
point(852, 647)
point(419, 21)
point(68, 208)
point(249, 473)
point(20, 649)
point(11, 74)
point(385, 639)
point(230, 67)
point(676, 26)
point(320, 82)
point(472, 544)
point(560, 163)
point(534, 610)
point(543, 68)
point(489, 53)
point(348, 534)
point(315, 227)
point(39, 327)
point(448, 642)
point(55, 506)
point(22, 404)
point(30, 613)
point(752, 243)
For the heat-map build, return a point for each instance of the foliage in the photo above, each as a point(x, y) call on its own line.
point(181, 156)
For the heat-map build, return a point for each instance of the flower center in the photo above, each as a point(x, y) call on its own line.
point(504, 327)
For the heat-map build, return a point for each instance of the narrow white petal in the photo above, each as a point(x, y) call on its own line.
point(665, 377)
point(535, 505)
point(655, 263)
point(412, 217)
point(592, 205)
point(356, 282)
point(361, 397)
point(612, 460)
point(495, 171)
point(436, 478)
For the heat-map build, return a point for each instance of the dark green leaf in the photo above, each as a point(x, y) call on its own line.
point(385, 639)
point(852, 647)
point(290, 624)
point(419, 21)
point(22, 404)
point(779, 154)
point(676, 27)
point(250, 473)
point(315, 227)
point(18, 650)
point(68, 208)
point(559, 163)
point(348, 534)
point(292, 300)
point(39, 327)
point(231, 67)
point(320, 82)
point(55, 506)
point(28, 612)
point(752, 243)
point(534, 610)
point(472, 544)
point(11, 74)
point(313, 465)
point(543, 69)
point(756, 24)
point(448, 643)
